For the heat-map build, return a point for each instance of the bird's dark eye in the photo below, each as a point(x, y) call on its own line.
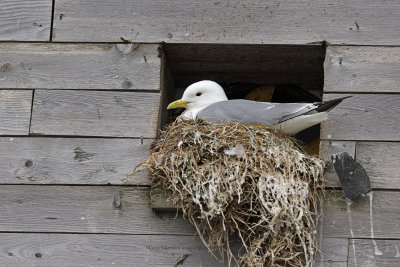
point(198, 94)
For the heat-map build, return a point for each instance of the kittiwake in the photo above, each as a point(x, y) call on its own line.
point(207, 100)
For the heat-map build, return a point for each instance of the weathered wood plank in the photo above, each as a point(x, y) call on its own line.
point(368, 252)
point(90, 113)
point(25, 20)
point(359, 219)
point(362, 69)
point(80, 66)
point(364, 117)
point(85, 209)
point(328, 148)
point(15, 112)
point(331, 264)
point(159, 199)
point(71, 160)
point(103, 250)
point(382, 163)
point(181, 21)
point(333, 250)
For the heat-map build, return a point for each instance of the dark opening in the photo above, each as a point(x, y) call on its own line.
point(294, 72)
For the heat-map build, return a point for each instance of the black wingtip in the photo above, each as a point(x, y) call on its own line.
point(330, 104)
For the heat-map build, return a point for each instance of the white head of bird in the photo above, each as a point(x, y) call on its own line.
point(198, 96)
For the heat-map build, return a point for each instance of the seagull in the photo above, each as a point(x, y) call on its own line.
point(207, 100)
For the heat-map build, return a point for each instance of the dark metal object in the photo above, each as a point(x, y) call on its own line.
point(352, 176)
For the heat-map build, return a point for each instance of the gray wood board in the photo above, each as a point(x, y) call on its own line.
point(85, 209)
point(362, 69)
point(22, 20)
point(331, 264)
point(328, 148)
point(80, 66)
point(339, 216)
point(359, 219)
point(40, 160)
point(368, 252)
point(372, 117)
point(180, 21)
point(159, 199)
point(381, 161)
point(95, 113)
point(102, 250)
point(332, 250)
point(15, 112)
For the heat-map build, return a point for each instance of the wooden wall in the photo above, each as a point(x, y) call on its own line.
point(79, 109)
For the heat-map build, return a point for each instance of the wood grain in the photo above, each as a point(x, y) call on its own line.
point(80, 66)
point(331, 264)
point(22, 20)
point(252, 22)
point(342, 219)
point(365, 252)
point(333, 250)
point(90, 113)
point(71, 160)
point(159, 199)
point(85, 209)
point(362, 69)
point(372, 117)
point(103, 250)
point(15, 112)
point(382, 163)
point(328, 148)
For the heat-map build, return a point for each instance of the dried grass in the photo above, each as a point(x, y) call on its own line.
point(232, 179)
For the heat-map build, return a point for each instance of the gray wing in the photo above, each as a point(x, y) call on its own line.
point(252, 112)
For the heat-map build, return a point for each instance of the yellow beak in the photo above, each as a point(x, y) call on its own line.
point(177, 104)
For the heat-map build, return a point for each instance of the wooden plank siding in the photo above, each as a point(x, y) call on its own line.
point(360, 219)
point(95, 113)
point(80, 66)
point(382, 163)
point(44, 160)
point(340, 216)
point(234, 22)
point(332, 250)
point(367, 117)
point(82, 81)
point(15, 112)
point(362, 69)
point(22, 20)
point(85, 209)
point(362, 125)
point(103, 250)
point(374, 253)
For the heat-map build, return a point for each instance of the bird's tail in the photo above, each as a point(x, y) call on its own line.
point(330, 104)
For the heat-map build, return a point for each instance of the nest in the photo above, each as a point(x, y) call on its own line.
point(251, 183)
